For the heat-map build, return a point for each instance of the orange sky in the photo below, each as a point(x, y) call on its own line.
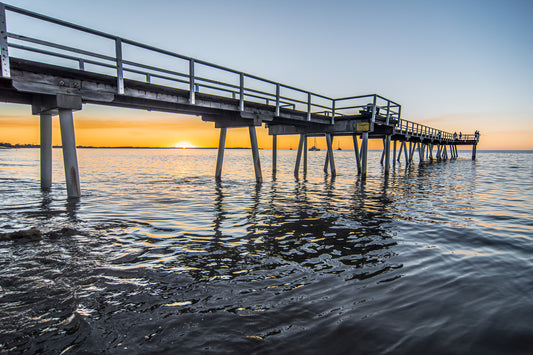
point(105, 126)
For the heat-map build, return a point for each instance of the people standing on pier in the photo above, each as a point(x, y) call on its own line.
point(460, 135)
point(454, 136)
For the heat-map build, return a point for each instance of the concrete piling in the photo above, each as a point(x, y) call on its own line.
point(220, 153)
point(46, 150)
point(70, 158)
point(255, 154)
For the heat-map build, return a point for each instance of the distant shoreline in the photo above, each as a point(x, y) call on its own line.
point(19, 146)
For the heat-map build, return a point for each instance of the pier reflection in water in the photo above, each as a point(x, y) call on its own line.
point(157, 256)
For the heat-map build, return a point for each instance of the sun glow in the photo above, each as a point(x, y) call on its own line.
point(184, 145)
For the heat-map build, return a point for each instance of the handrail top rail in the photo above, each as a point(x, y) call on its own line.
point(167, 52)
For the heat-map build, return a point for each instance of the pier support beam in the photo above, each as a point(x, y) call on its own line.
point(400, 151)
point(387, 154)
point(220, 154)
point(382, 152)
point(47, 106)
point(394, 142)
point(364, 155)
point(255, 154)
point(299, 155)
point(405, 153)
point(329, 142)
point(274, 154)
point(46, 150)
point(70, 158)
point(305, 156)
point(357, 156)
point(474, 148)
point(412, 148)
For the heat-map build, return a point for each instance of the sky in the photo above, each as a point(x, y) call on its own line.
point(454, 65)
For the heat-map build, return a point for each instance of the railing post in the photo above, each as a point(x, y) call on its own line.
point(277, 99)
point(120, 70)
point(333, 112)
point(241, 92)
point(309, 106)
point(4, 53)
point(192, 99)
point(81, 64)
point(373, 111)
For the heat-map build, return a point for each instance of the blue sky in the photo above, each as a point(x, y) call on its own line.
point(449, 63)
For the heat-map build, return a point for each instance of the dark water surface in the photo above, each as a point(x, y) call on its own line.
point(158, 257)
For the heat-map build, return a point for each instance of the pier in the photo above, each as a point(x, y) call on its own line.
point(56, 78)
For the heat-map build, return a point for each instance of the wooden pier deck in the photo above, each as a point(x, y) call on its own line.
point(57, 78)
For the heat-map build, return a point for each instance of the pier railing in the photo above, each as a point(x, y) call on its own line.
point(410, 128)
point(69, 45)
point(65, 44)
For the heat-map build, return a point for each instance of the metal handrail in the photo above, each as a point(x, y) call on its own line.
point(374, 104)
point(90, 57)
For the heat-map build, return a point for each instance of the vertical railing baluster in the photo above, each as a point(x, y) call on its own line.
point(192, 98)
point(4, 53)
point(333, 111)
point(120, 70)
point(277, 99)
point(309, 106)
point(241, 92)
point(81, 64)
point(388, 113)
point(374, 110)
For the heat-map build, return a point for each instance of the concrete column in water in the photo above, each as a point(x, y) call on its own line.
point(46, 150)
point(394, 153)
point(220, 154)
point(305, 155)
point(274, 153)
point(329, 142)
point(326, 162)
point(382, 152)
point(387, 154)
point(255, 154)
point(400, 152)
point(299, 155)
point(364, 155)
point(357, 157)
point(474, 148)
point(70, 158)
point(405, 152)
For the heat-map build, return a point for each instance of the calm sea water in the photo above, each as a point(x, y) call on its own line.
point(158, 257)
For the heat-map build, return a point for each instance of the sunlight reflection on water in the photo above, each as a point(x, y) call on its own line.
point(157, 256)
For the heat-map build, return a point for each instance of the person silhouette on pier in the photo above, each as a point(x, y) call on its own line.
point(460, 135)
point(454, 136)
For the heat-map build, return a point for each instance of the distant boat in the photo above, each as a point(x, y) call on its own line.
point(314, 148)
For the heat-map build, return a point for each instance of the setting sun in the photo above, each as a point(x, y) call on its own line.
point(184, 145)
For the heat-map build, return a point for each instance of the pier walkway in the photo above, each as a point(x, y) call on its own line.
point(65, 65)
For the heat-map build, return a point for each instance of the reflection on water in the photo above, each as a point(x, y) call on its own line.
point(158, 257)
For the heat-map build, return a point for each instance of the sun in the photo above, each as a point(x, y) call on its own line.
point(184, 145)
